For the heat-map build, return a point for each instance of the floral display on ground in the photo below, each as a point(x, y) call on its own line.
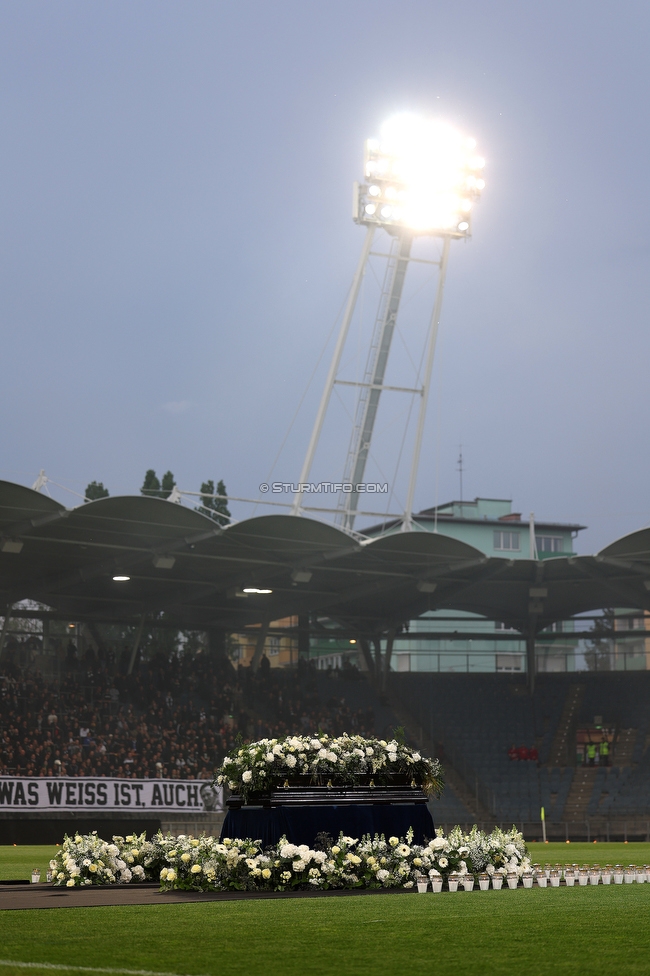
point(345, 760)
point(208, 864)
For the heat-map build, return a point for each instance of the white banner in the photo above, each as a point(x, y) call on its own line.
point(99, 794)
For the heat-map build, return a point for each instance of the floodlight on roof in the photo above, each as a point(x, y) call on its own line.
point(11, 545)
point(301, 575)
point(426, 586)
point(255, 590)
point(121, 579)
point(163, 562)
point(422, 174)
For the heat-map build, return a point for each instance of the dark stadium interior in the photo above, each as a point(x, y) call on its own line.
point(177, 716)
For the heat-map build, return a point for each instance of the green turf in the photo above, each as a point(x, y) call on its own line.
point(18, 862)
point(562, 931)
point(590, 853)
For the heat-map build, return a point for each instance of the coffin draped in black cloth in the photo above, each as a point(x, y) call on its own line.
point(300, 825)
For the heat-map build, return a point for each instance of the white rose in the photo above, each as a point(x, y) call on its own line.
point(247, 776)
point(322, 753)
point(291, 761)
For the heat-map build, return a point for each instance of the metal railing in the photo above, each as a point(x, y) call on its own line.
point(514, 661)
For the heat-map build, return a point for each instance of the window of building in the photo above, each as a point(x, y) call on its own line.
point(508, 662)
point(506, 540)
point(274, 645)
point(549, 543)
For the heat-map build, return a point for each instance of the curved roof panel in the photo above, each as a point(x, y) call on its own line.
point(636, 546)
point(184, 564)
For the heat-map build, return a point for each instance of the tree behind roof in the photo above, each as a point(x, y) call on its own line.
point(95, 490)
point(153, 487)
point(214, 508)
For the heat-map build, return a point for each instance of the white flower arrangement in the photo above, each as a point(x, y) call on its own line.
point(208, 864)
point(84, 860)
point(347, 760)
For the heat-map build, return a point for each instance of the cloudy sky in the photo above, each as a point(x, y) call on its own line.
point(176, 242)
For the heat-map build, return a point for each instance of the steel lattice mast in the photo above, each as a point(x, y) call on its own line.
point(422, 178)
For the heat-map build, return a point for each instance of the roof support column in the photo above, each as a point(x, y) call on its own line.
point(304, 642)
point(259, 646)
point(390, 639)
point(530, 655)
point(367, 655)
point(5, 627)
point(136, 644)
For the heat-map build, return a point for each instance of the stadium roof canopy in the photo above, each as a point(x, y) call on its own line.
point(183, 564)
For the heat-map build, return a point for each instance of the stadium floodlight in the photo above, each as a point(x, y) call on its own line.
point(121, 579)
point(421, 175)
point(256, 590)
point(422, 178)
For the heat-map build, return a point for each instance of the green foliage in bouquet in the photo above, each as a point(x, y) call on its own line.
point(345, 760)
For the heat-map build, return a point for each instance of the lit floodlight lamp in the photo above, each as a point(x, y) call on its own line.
point(256, 590)
point(121, 579)
point(421, 175)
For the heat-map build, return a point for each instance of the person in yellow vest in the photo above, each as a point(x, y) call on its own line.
point(591, 753)
point(604, 752)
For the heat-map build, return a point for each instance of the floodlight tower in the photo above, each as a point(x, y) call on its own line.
point(422, 178)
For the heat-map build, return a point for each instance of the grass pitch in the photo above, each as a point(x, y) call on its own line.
point(560, 931)
point(18, 862)
point(557, 931)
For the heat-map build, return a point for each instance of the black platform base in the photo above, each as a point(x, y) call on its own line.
point(301, 824)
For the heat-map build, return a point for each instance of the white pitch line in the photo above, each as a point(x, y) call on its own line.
point(83, 969)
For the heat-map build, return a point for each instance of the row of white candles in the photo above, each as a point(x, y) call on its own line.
point(543, 878)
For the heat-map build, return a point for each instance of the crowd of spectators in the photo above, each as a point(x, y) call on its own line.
point(174, 717)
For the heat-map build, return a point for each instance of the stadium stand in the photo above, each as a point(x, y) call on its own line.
point(170, 718)
point(474, 722)
point(178, 717)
